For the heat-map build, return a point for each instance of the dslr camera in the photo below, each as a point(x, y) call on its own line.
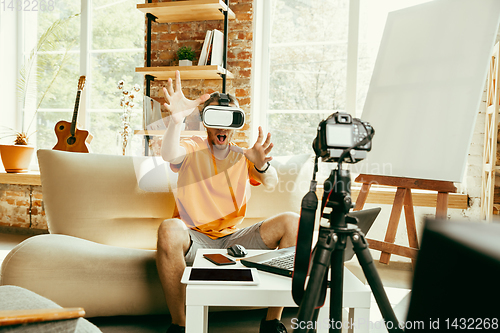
point(340, 135)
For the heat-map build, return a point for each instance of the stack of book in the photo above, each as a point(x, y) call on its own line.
point(213, 49)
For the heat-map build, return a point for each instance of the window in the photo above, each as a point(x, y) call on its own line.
point(110, 48)
point(308, 57)
point(116, 49)
point(57, 102)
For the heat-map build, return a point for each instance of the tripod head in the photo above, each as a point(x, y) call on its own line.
point(340, 138)
point(337, 196)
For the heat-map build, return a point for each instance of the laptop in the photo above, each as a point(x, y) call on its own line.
point(281, 261)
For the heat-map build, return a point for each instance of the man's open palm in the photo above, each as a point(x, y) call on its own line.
point(258, 153)
point(179, 106)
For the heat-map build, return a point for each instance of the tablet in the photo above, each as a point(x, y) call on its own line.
point(219, 275)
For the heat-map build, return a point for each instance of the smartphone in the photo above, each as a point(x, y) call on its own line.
point(219, 259)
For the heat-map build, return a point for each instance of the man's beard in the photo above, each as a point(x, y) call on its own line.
point(220, 147)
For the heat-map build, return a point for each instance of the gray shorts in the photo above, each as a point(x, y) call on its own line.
point(248, 237)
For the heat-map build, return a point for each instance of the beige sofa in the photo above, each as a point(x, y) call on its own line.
point(103, 213)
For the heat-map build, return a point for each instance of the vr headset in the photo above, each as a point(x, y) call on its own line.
point(223, 115)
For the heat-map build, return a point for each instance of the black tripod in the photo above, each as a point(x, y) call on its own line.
point(329, 252)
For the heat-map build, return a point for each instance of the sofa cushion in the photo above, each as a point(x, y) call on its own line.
point(294, 178)
point(99, 197)
point(154, 174)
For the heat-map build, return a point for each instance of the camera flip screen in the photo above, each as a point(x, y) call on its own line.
point(229, 117)
point(339, 136)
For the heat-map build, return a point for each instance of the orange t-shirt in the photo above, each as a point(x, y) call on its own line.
point(211, 194)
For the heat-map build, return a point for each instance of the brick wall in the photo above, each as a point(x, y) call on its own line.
point(15, 203)
point(167, 38)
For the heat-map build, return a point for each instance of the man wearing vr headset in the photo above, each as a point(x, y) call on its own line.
point(212, 189)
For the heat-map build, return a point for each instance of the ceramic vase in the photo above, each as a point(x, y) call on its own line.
point(16, 158)
point(185, 62)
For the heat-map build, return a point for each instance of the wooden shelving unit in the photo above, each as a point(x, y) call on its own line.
point(490, 168)
point(187, 72)
point(187, 11)
point(27, 178)
point(184, 11)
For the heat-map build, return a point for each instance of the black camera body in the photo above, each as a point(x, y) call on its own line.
point(339, 132)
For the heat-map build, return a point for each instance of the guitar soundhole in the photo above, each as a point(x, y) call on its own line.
point(71, 140)
point(61, 127)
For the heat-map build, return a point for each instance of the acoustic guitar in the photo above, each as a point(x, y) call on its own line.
point(70, 138)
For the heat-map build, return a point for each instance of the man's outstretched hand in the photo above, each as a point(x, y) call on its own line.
point(179, 106)
point(258, 153)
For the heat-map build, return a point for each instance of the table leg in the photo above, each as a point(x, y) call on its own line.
point(196, 319)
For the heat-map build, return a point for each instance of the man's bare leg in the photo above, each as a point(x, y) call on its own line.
point(173, 244)
point(279, 231)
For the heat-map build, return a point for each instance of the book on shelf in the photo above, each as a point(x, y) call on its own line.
point(213, 49)
point(217, 48)
point(153, 120)
point(209, 54)
point(202, 61)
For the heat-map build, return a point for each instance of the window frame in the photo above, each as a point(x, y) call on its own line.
point(261, 65)
point(85, 51)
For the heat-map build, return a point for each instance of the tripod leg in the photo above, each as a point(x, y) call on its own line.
point(337, 285)
point(320, 264)
point(366, 261)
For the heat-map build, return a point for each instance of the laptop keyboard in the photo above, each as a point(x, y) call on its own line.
point(284, 262)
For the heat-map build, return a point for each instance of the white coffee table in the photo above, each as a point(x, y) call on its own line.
point(273, 291)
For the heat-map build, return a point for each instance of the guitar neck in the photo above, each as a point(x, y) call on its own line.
point(75, 113)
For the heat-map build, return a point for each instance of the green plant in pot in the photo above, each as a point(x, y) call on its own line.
point(16, 157)
point(186, 56)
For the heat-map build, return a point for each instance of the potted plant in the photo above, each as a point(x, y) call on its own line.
point(186, 56)
point(16, 157)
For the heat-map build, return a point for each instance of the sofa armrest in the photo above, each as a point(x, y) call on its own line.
point(105, 280)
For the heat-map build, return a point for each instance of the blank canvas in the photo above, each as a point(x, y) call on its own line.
point(427, 86)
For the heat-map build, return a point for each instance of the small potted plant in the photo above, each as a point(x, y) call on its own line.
point(185, 55)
